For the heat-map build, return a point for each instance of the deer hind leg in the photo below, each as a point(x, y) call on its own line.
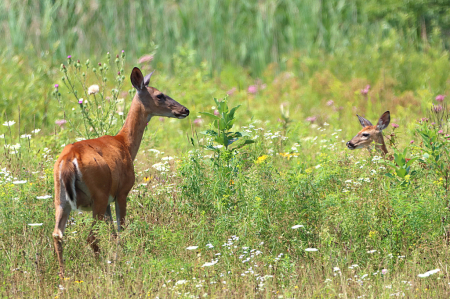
point(62, 215)
point(99, 210)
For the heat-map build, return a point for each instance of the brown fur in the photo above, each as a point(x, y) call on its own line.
point(105, 165)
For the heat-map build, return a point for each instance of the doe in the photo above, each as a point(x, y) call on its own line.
point(371, 133)
point(91, 174)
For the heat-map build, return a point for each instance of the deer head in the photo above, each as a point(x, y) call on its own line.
point(155, 102)
point(371, 133)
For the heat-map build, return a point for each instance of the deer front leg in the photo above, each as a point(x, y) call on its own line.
point(98, 212)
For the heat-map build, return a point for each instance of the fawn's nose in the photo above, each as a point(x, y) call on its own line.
point(350, 145)
point(185, 111)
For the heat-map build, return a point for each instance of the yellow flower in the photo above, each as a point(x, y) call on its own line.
point(79, 281)
point(147, 178)
point(308, 170)
point(261, 159)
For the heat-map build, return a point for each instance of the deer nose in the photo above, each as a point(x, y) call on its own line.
point(185, 111)
point(350, 145)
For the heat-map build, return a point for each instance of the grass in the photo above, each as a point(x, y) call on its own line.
point(205, 223)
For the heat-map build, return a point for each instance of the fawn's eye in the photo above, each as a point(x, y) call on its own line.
point(160, 96)
point(366, 134)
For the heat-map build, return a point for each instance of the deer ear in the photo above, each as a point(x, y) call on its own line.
point(384, 121)
point(364, 122)
point(137, 79)
point(147, 78)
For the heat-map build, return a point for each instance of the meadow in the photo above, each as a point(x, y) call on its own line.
point(287, 211)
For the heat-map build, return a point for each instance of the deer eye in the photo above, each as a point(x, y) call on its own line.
point(366, 134)
point(160, 96)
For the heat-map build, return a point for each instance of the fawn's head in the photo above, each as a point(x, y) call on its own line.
point(371, 133)
point(155, 102)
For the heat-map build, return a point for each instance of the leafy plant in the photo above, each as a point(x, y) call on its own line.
point(402, 166)
point(98, 103)
point(224, 121)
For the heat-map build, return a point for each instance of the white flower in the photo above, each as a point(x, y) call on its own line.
point(317, 166)
point(2, 136)
point(160, 166)
point(28, 136)
point(9, 123)
point(168, 158)
point(209, 245)
point(192, 247)
point(371, 251)
point(35, 224)
point(297, 226)
point(336, 269)
point(35, 131)
point(44, 197)
point(19, 182)
point(183, 281)
point(311, 249)
point(212, 263)
point(93, 89)
point(431, 272)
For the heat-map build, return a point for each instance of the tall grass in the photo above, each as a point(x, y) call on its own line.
point(249, 33)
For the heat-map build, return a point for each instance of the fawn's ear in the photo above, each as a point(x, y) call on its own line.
point(147, 78)
point(364, 122)
point(384, 121)
point(137, 79)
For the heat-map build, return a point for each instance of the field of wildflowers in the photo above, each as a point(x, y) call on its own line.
point(280, 208)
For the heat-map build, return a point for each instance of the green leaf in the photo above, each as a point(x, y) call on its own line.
point(209, 114)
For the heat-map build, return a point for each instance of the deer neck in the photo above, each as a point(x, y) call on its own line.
point(380, 145)
point(134, 127)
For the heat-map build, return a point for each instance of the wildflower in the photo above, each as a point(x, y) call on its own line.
point(365, 91)
point(80, 101)
point(19, 182)
point(25, 136)
point(261, 159)
point(384, 271)
point(60, 122)
point(212, 263)
point(44, 197)
point(440, 98)
point(371, 251)
point(330, 103)
point(311, 249)
point(311, 118)
point(297, 226)
point(70, 56)
point(146, 179)
point(209, 245)
point(35, 224)
point(394, 125)
point(428, 273)
point(35, 131)
point(192, 247)
point(216, 112)
point(231, 91)
point(93, 89)
point(198, 121)
point(56, 86)
point(145, 58)
point(252, 89)
point(9, 123)
point(412, 141)
point(183, 281)
point(440, 132)
point(437, 108)
point(2, 136)
point(79, 281)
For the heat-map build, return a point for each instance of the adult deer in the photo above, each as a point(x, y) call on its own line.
point(91, 174)
point(371, 133)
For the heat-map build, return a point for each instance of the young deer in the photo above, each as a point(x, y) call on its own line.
point(91, 174)
point(371, 133)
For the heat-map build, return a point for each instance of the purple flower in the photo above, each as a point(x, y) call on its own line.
point(252, 89)
point(198, 121)
point(440, 132)
point(437, 108)
point(412, 141)
point(123, 51)
point(80, 101)
point(145, 58)
point(365, 91)
point(394, 125)
point(70, 56)
point(311, 118)
point(60, 122)
point(384, 271)
point(231, 91)
point(330, 103)
point(56, 86)
point(216, 112)
point(440, 98)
